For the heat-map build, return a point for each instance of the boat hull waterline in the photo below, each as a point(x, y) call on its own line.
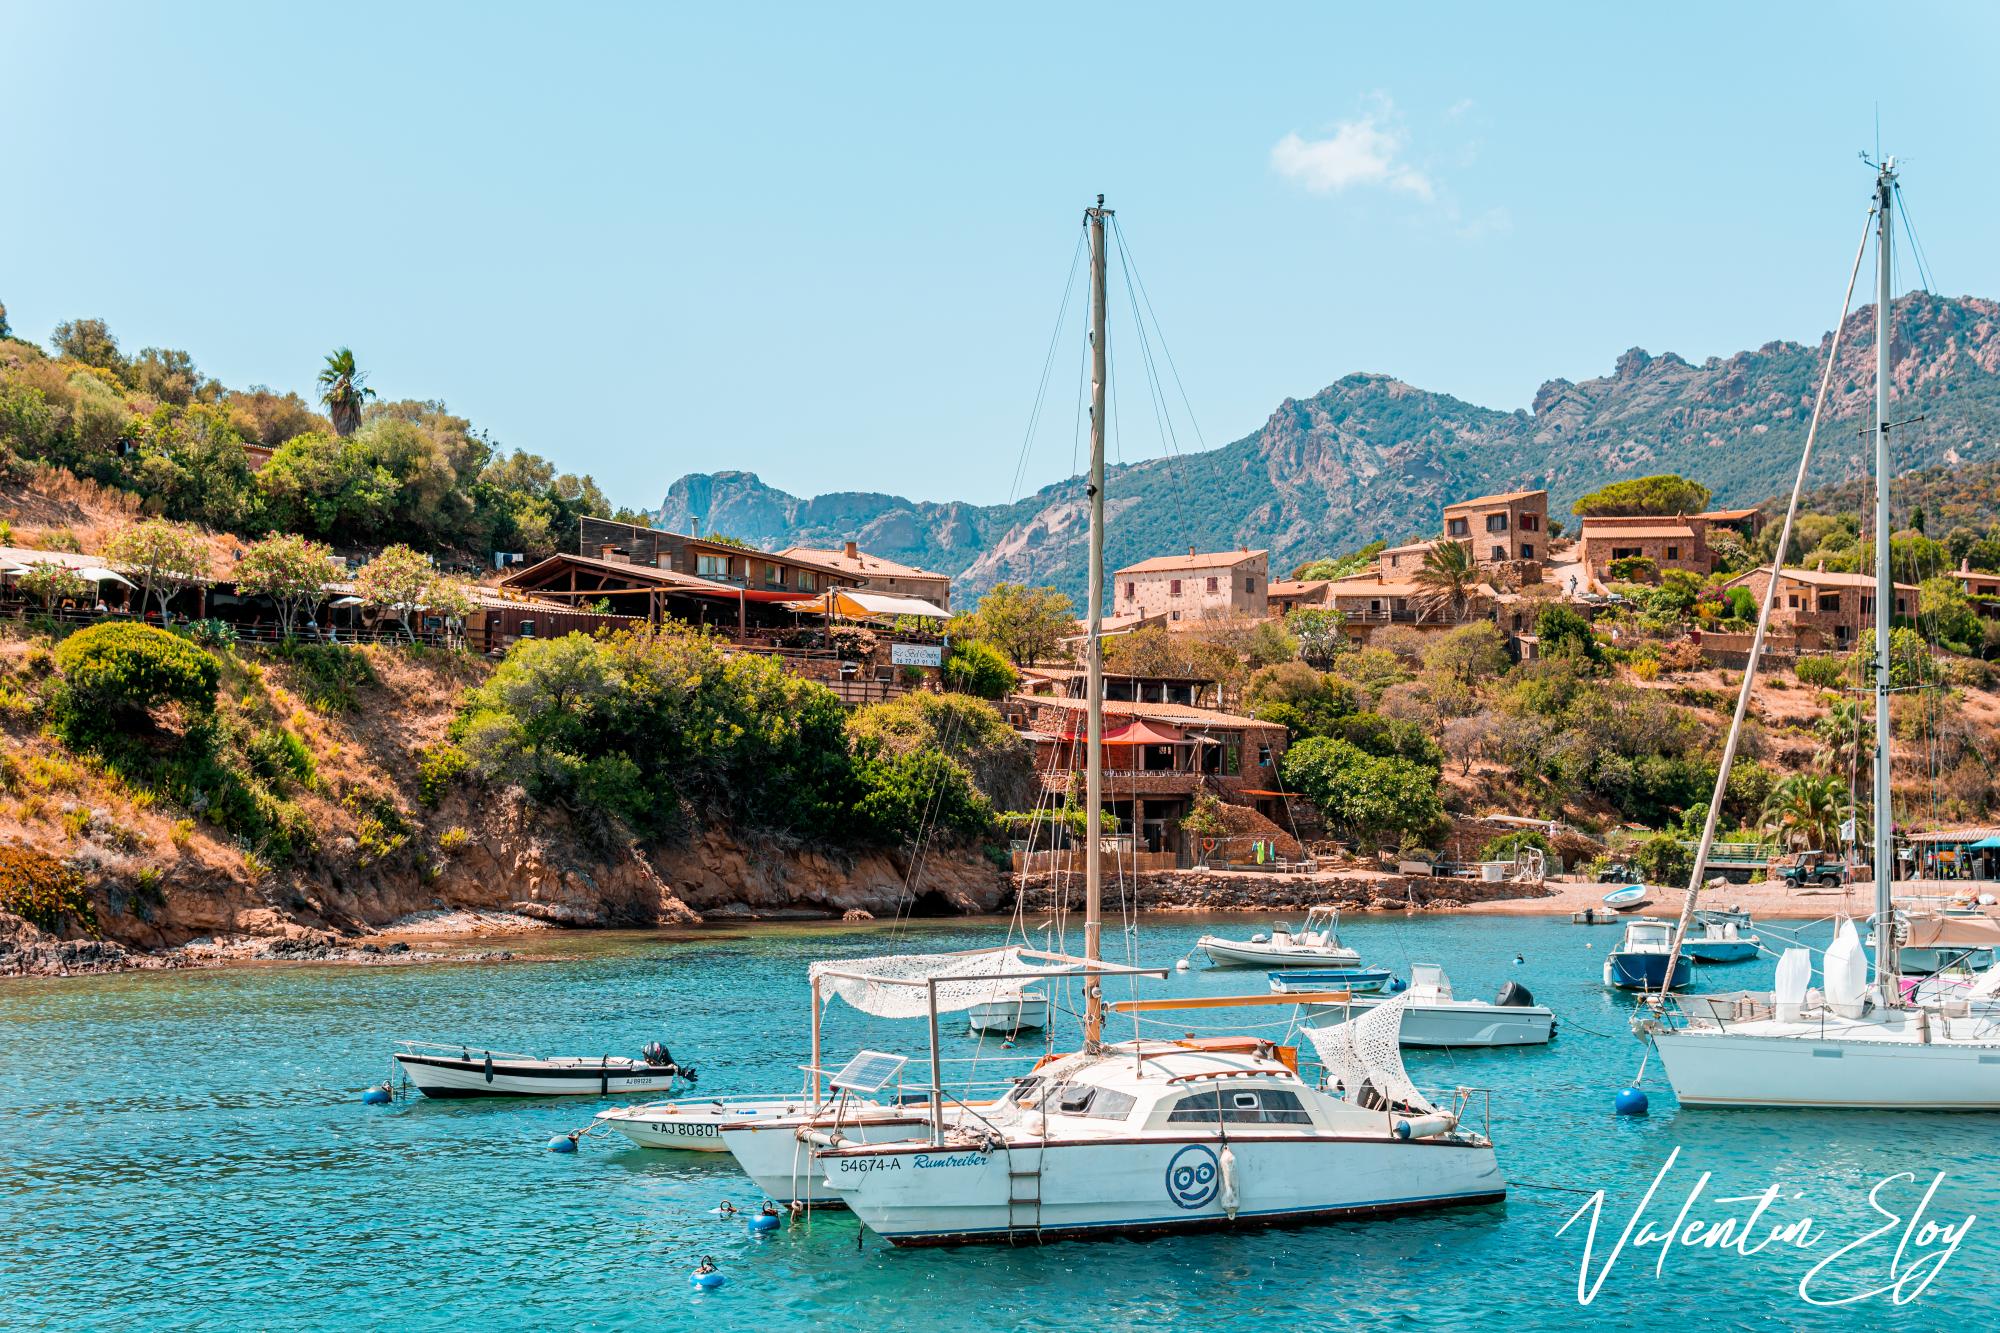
point(951, 1196)
point(450, 1077)
point(692, 1126)
point(780, 1161)
point(1733, 1069)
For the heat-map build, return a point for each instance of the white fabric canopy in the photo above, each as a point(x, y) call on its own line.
point(892, 986)
point(1368, 1049)
point(99, 574)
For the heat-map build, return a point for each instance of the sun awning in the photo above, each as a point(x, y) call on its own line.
point(1985, 843)
point(1954, 932)
point(1141, 732)
point(99, 574)
point(854, 604)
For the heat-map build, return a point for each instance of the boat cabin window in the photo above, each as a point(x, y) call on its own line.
point(1240, 1106)
point(1097, 1103)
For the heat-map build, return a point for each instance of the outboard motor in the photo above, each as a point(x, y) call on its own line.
point(1515, 995)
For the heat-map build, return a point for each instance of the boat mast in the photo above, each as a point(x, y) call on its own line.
point(1886, 961)
point(1093, 651)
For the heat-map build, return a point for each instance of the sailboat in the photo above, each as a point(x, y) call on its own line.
point(1143, 1136)
point(1858, 1042)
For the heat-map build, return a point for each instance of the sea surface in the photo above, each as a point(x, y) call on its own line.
point(188, 1150)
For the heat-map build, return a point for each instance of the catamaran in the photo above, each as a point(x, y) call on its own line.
point(1860, 1042)
point(1141, 1136)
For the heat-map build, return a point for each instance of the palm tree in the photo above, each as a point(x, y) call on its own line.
point(1845, 735)
point(1446, 580)
point(1808, 809)
point(343, 389)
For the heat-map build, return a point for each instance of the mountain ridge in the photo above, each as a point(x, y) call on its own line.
point(1371, 456)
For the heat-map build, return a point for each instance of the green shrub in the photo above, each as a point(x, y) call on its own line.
point(327, 676)
point(277, 755)
point(42, 890)
point(115, 675)
point(977, 667)
point(1508, 845)
point(1825, 671)
point(212, 633)
point(1635, 569)
point(1664, 859)
point(454, 840)
point(438, 766)
point(899, 795)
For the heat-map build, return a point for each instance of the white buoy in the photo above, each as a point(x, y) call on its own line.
point(1181, 965)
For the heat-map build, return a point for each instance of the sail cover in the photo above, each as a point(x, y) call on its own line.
point(1367, 1049)
point(892, 986)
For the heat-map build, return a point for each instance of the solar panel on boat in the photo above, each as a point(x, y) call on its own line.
point(868, 1071)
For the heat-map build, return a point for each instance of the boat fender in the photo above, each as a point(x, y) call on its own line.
point(706, 1276)
point(1515, 995)
point(1229, 1198)
point(1260, 939)
point(563, 1143)
point(489, 1067)
point(376, 1096)
point(1425, 1126)
point(1181, 965)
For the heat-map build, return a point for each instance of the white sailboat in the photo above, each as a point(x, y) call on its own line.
point(1858, 1042)
point(1143, 1136)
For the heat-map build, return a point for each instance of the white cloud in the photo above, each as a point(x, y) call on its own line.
point(1367, 150)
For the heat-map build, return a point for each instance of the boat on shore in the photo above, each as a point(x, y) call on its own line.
point(1628, 899)
point(439, 1069)
point(1314, 944)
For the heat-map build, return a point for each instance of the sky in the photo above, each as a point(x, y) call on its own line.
point(827, 244)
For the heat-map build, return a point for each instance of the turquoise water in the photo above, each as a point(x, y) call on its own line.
point(184, 1150)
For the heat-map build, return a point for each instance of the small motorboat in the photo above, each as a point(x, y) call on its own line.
point(442, 1070)
point(1640, 960)
point(1313, 945)
point(1433, 1017)
point(1948, 941)
point(1628, 899)
point(1720, 937)
point(1354, 980)
point(1011, 1009)
point(695, 1125)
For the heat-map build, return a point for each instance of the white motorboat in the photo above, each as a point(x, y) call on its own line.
point(1433, 1017)
point(1946, 942)
point(694, 1124)
point(1315, 944)
point(1148, 1137)
point(443, 1070)
point(1719, 938)
point(1011, 1009)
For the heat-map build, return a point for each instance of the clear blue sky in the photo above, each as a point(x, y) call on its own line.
point(826, 244)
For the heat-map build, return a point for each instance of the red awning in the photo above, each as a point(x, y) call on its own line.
point(1141, 732)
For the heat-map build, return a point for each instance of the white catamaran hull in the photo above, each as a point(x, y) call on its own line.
point(1727, 1068)
point(780, 1161)
point(1244, 953)
point(941, 1196)
point(476, 1076)
point(692, 1126)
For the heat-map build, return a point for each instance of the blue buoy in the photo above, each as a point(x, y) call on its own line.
point(763, 1222)
point(563, 1143)
point(1630, 1101)
point(375, 1097)
point(707, 1281)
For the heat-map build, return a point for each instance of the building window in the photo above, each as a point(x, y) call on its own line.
point(808, 581)
point(1174, 588)
point(1902, 608)
point(1673, 553)
point(1131, 591)
point(1232, 757)
point(1499, 553)
point(712, 566)
point(1458, 527)
point(1177, 615)
point(774, 576)
point(1530, 523)
point(1263, 754)
point(1211, 583)
point(1496, 522)
point(1829, 602)
point(1625, 552)
point(1527, 550)
point(1250, 584)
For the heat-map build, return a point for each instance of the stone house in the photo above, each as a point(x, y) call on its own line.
point(1288, 595)
point(1157, 758)
point(1196, 587)
point(1367, 601)
point(879, 575)
point(1670, 543)
point(1823, 609)
point(1981, 588)
point(1501, 529)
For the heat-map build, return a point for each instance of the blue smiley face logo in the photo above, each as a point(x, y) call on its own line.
point(1193, 1177)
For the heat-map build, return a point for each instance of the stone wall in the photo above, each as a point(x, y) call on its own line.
point(1265, 891)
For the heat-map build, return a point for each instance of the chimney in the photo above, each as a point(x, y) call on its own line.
point(853, 550)
point(1190, 552)
point(607, 552)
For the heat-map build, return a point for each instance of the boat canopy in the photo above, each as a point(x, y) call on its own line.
point(899, 985)
point(1953, 932)
point(1368, 1049)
